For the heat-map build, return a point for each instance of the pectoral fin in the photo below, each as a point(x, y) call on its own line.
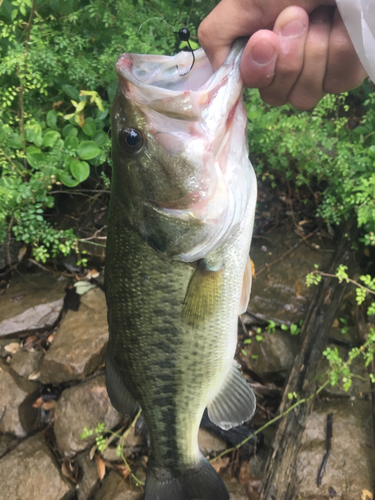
point(235, 402)
point(202, 295)
point(246, 287)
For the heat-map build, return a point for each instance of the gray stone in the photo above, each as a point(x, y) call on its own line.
point(30, 472)
point(32, 302)
point(84, 405)
point(209, 444)
point(115, 487)
point(79, 345)
point(16, 396)
point(275, 355)
point(279, 293)
point(90, 479)
point(350, 466)
point(40, 317)
point(26, 362)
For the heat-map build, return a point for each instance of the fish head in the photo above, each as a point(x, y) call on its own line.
point(181, 169)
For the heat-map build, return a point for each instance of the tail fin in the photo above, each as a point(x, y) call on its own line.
point(200, 482)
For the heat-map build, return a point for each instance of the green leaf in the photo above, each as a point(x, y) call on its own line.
point(89, 127)
point(71, 91)
point(70, 130)
point(52, 119)
point(100, 138)
point(80, 170)
point(50, 137)
point(68, 180)
point(35, 157)
point(83, 286)
point(71, 142)
point(88, 150)
point(111, 90)
point(15, 141)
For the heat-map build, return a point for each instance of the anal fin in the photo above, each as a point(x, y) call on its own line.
point(118, 393)
point(202, 295)
point(234, 404)
point(246, 287)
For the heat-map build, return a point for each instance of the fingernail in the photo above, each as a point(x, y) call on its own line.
point(293, 29)
point(263, 53)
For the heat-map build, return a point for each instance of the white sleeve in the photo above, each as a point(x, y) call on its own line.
point(359, 19)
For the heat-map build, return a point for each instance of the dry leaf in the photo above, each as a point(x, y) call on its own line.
point(367, 495)
point(93, 273)
point(70, 469)
point(34, 376)
point(12, 348)
point(21, 253)
point(29, 342)
point(100, 465)
point(123, 470)
point(244, 475)
point(38, 403)
point(92, 452)
point(336, 323)
point(220, 463)
point(50, 338)
point(49, 405)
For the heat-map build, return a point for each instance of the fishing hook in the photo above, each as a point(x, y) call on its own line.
point(184, 35)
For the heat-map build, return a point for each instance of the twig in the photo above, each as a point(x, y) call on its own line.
point(348, 280)
point(328, 452)
point(286, 253)
point(22, 80)
point(95, 235)
point(270, 422)
point(91, 243)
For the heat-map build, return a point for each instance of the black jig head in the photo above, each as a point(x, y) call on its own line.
point(184, 36)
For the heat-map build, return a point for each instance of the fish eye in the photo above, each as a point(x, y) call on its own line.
point(131, 140)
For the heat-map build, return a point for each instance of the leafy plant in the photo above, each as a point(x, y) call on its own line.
point(327, 154)
point(340, 370)
point(57, 83)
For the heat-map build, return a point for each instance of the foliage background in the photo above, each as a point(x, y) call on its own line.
point(57, 82)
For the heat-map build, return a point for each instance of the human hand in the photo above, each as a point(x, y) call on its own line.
point(300, 61)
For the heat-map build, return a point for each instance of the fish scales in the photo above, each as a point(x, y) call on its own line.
point(172, 358)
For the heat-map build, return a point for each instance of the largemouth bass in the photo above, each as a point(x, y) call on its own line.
point(178, 270)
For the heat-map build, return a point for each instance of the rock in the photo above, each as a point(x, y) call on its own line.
point(115, 487)
point(84, 405)
point(79, 345)
point(16, 396)
point(7, 442)
point(209, 444)
point(350, 466)
point(30, 472)
point(90, 479)
point(275, 355)
point(31, 303)
point(280, 293)
point(26, 362)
